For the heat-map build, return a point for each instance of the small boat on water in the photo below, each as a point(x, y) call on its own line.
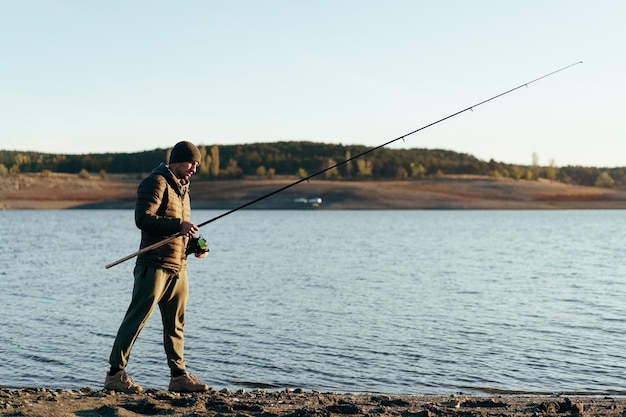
point(311, 202)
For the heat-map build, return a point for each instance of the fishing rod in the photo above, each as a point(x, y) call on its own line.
point(171, 238)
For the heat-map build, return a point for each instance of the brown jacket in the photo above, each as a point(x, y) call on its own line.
point(162, 205)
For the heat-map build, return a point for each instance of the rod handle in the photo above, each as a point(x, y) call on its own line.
point(143, 250)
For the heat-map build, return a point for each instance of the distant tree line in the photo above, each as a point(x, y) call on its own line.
point(305, 158)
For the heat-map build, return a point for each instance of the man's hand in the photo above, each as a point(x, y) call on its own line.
point(188, 228)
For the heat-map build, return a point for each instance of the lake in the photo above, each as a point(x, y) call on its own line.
point(400, 302)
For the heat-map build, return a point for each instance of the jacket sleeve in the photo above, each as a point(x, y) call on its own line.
point(150, 213)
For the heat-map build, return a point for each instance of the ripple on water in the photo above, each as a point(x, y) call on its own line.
point(396, 302)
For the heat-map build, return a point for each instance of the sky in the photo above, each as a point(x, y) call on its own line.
point(86, 76)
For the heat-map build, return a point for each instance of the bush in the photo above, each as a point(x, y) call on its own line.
point(604, 180)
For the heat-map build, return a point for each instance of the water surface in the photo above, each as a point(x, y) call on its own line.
point(416, 302)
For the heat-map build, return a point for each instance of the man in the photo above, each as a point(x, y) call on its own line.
point(162, 209)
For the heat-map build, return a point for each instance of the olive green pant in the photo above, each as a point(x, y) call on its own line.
point(167, 289)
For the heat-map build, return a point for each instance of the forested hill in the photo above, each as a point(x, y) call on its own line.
point(306, 158)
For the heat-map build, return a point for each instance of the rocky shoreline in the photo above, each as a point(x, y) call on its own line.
point(88, 402)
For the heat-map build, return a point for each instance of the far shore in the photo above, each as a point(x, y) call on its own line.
point(69, 191)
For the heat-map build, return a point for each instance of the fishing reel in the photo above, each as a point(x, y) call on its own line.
point(197, 245)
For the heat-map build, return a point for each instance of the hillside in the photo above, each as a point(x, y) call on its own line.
point(63, 191)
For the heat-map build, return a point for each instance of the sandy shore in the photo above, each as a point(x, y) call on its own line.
point(62, 191)
point(296, 403)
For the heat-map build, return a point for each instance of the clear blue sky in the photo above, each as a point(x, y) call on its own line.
point(80, 76)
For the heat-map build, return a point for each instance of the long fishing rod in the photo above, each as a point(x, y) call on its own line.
point(169, 239)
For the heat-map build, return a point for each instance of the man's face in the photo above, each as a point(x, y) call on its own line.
point(183, 170)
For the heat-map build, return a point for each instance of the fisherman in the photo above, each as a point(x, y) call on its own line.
point(162, 209)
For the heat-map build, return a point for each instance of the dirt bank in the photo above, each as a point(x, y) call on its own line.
point(61, 191)
point(43, 402)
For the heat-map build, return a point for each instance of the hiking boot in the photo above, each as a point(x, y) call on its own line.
point(122, 382)
point(187, 383)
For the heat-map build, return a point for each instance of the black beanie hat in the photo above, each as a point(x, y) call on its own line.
point(184, 152)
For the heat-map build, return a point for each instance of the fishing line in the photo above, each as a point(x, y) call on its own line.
point(169, 239)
